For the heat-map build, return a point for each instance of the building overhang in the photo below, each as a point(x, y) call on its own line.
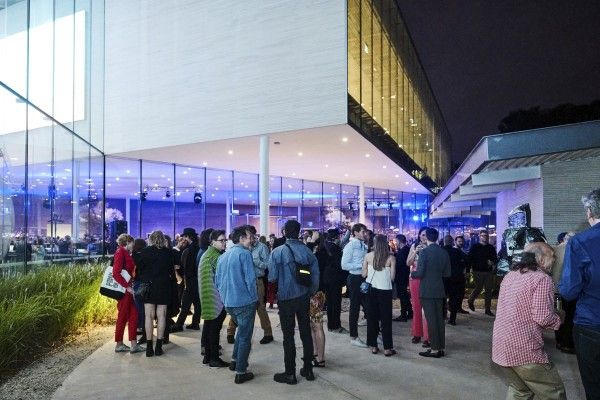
point(499, 162)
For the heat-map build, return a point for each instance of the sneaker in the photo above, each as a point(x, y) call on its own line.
point(137, 349)
point(358, 342)
point(245, 377)
point(122, 348)
point(362, 322)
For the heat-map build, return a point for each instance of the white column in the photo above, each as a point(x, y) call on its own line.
point(75, 202)
point(263, 185)
point(228, 214)
point(362, 218)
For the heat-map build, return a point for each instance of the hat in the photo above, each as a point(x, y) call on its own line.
point(189, 232)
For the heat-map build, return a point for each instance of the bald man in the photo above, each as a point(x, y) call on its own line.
point(525, 309)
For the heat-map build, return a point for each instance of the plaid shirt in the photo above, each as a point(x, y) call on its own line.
point(525, 309)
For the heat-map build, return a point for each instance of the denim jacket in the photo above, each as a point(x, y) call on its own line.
point(260, 256)
point(235, 278)
point(283, 270)
point(353, 256)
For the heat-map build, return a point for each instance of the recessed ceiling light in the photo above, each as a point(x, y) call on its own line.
point(326, 165)
point(204, 163)
point(396, 176)
point(385, 166)
point(300, 154)
point(367, 155)
point(346, 175)
point(406, 183)
point(344, 139)
point(293, 174)
point(230, 152)
point(117, 179)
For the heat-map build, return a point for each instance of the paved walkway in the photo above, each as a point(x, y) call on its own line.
point(351, 373)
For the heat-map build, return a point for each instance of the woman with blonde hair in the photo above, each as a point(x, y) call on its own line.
point(127, 313)
point(156, 272)
point(379, 269)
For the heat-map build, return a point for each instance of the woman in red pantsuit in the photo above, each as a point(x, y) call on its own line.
point(419, 323)
point(127, 313)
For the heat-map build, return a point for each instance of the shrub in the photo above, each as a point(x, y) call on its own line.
point(38, 309)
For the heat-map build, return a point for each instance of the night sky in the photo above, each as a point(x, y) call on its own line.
point(486, 58)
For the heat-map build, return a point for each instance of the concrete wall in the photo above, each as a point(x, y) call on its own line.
point(191, 71)
point(525, 192)
point(564, 184)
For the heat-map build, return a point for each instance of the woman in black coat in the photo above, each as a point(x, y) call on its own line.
point(156, 271)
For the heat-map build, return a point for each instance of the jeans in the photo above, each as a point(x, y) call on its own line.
point(263, 316)
point(356, 299)
point(244, 318)
point(587, 347)
point(333, 294)
point(212, 327)
point(380, 313)
point(483, 280)
point(191, 295)
point(289, 311)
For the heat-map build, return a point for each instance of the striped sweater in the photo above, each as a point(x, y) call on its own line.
point(212, 305)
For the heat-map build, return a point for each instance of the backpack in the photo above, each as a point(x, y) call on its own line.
point(303, 273)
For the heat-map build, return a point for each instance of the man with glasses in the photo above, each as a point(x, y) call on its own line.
point(483, 259)
point(236, 282)
point(581, 282)
point(352, 260)
point(260, 257)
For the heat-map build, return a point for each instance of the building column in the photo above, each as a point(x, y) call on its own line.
point(128, 213)
point(362, 218)
point(228, 214)
point(263, 185)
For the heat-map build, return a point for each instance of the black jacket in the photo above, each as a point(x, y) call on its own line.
point(458, 262)
point(402, 270)
point(333, 273)
point(479, 256)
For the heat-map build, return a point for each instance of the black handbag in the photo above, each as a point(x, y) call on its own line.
point(143, 290)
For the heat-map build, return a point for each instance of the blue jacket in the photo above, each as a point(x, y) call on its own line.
point(283, 270)
point(235, 279)
point(581, 276)
point(353, 256)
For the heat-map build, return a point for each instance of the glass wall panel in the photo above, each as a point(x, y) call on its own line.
point(275, 209)
point(291, 204)
point(190, 198)
point(219, 199)
point(350, 204)
point(245, 201)
point(122, 199)
point(366, 58)
point(158, 210)
point(13, 45)
point(312, 210)
point(13, 185)
point(332, 206)
point(354, 48)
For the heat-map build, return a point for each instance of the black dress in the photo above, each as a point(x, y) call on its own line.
point(157, 266)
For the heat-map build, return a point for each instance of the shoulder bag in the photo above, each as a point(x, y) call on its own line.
point(303, 274)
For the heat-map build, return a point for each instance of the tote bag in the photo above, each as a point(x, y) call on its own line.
point(111, 288)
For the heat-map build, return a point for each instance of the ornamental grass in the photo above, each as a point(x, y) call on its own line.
point(39, 309)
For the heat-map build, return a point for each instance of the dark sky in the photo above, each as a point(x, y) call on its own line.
point(485, 58)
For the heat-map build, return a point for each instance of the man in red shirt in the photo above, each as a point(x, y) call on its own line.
point(525, 309)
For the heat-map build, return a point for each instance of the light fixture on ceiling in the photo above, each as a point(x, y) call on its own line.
point(230, 152)
point(344, 139)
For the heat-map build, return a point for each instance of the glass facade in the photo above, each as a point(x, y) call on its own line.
point(63, 199)
point(389, 96)
point(51, 163)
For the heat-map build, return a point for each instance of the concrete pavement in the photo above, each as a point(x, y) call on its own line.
point(351, 373)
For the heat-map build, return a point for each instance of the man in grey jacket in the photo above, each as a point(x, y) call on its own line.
point(432, 267)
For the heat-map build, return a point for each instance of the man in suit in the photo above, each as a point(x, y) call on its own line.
point(432, 267)
point(401, 280)
point(455, 284)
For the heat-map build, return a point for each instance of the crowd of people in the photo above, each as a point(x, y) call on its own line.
point(305, 273)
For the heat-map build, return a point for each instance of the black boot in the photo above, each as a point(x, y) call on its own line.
point(158, 350)
point(149, 350)
point(307, 371)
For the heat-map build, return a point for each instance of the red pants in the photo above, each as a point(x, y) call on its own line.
point(127, 315)
point(419, 323)
point(272, 293)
